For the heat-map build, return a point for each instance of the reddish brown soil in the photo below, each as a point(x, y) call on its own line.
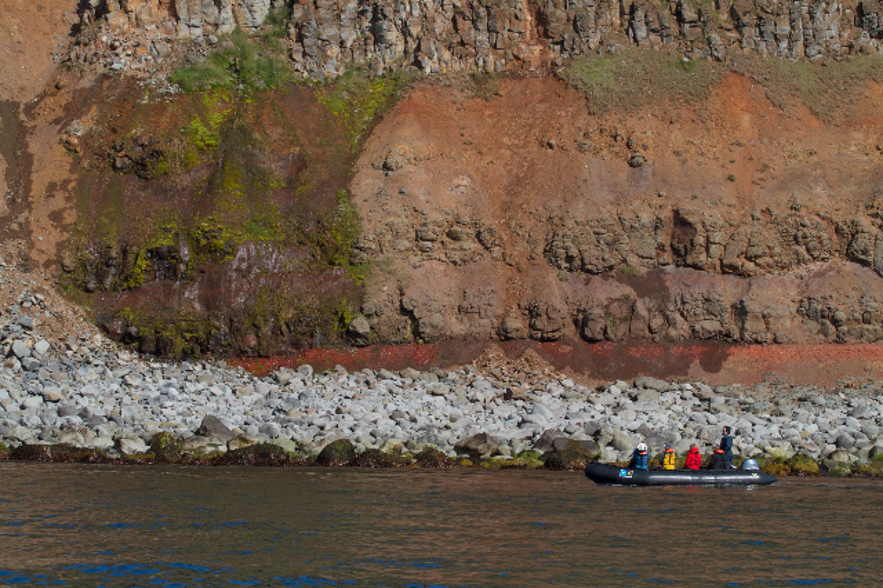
point(31, 31)
point(390, 357)
point(735, 151)
point(715, 364)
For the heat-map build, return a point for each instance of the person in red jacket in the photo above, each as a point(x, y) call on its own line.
point(694, 458)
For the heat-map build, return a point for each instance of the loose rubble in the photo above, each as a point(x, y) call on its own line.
point(100, 402)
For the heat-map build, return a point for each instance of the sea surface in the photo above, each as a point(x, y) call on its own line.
point(86, 525)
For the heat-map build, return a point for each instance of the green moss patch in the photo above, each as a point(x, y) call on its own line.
point(212, 240)
point(803, 465)
point(357, 99)
point(431, 457)
point(333, 243)
point(573, 456)
point(634, 78)
point(776, 469)
point(166, 448)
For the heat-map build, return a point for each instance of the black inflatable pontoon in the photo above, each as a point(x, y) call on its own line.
point(602, 473)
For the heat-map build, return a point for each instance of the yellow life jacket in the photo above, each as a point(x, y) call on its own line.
point(668, 459)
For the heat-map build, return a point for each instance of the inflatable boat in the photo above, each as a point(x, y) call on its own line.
point(602, 473)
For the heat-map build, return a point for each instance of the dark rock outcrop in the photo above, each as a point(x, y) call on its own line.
point(567, 454)
point(212, 427)
point(337, 453)
point(479, 446)
point(166, 448)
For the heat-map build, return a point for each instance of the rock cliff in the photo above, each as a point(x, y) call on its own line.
point(327, 37)
point(513, 228)
point(644, 173)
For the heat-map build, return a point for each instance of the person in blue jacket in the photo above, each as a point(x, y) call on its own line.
point(727, 447)
point(641, 457)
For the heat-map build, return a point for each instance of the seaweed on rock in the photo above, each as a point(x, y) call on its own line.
point(433, 458)
point(374, 458)
point(166, 448)
point(263, 454)
point(58, 453)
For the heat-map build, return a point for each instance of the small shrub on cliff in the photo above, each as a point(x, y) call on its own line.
point(276, 23)
point(344, 315)
point(239, 63)
point(484, 85)
point(211, 73)
point(360, 272)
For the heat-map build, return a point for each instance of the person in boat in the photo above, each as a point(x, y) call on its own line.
point(727, 447)
point(668, 458)
point(640, 457)
point(694, 458)
point(718, 461)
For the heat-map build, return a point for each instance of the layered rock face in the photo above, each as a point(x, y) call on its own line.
point(538, 224)
point(198, 17)
point(499, 34)
point(631, 278)
point(137, 36)
point(521, 214)
point(194, 18)
point(327, 37)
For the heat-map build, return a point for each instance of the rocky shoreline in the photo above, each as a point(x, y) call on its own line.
point(88, 399)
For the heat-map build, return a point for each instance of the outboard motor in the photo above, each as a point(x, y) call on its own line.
point(750, 465)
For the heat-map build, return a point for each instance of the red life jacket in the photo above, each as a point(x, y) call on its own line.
point(694, 459)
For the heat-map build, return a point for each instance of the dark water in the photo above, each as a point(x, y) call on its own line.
point(180, 526)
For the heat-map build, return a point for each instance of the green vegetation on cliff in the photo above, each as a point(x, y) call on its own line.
point(635, 77)
point(241, 62)
point(333, 244)
point(256, 171)
point(357, 99)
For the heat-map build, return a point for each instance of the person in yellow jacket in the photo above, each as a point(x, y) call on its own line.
point(668, 458)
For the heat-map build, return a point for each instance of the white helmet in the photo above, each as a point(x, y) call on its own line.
point(642, 447)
